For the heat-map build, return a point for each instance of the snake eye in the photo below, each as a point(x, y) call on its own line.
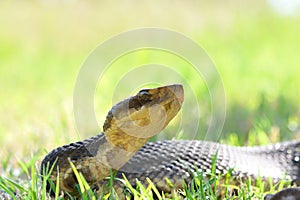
point(144, 96)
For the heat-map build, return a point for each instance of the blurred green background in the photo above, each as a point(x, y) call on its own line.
point(43, 45)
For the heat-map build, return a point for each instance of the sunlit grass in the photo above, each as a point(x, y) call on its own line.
point(203, 186)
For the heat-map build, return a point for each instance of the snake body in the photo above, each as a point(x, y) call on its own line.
point(177, 160)
point(123, 146)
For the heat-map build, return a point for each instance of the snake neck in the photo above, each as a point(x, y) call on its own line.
point(115, 151)
point(120, 141)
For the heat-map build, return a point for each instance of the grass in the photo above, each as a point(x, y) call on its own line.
point(203, 186)
point(44, 44)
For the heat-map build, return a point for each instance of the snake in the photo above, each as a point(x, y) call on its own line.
point(123, 148)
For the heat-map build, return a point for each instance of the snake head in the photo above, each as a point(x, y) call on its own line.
point(142, 116)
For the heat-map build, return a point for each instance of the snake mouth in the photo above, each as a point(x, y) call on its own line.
point(177, 90)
